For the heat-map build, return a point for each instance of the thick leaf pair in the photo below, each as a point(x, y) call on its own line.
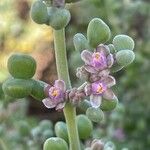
point(22, 68)
point(57, 18)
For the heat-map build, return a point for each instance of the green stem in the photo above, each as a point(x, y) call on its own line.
point(62, 70)
point(3, 145)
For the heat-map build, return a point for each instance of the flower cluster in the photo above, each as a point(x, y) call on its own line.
point(97, 72)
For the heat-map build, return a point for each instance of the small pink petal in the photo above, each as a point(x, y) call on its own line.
point(95, 100)
point(87, 89)
point(48, 103)
point(110, 60)
point(86, 56)
point(109, 81)
point(108, 94)
point(60, 84)
point(90, 69)
point(104, 73)
point(60, 106)
point(103, 48)
point(46, 90)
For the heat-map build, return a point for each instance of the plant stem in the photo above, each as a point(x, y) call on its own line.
point(3, 145)
point(62, 70)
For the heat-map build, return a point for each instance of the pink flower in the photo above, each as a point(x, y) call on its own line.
point(100, 89)
point(100, 60)
point(55, 95)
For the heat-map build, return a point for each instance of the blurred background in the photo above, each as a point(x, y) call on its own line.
point(127, 127)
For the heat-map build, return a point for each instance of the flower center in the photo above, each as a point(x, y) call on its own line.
point(55, 93)
point(97, 56)
point(98, 88)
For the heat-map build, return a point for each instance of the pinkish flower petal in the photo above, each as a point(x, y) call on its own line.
point(103, 48)
point(60, 84)
point(104, 73)
point(46, 90)
point(95, 100)
point(60, 106)
point(87, 89)
point(48, 103)
point(86, 56)
point(94, 77)
point(90, 69)
point(109, 81)
point(110, 60)
point(108, 94)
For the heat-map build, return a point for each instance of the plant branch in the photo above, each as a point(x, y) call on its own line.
point(62, 70)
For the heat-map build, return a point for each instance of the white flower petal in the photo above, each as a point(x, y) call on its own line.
point(108, 94)
point(95, 100)
point(60, 106)
point(48, 103)
point(110, 60)
point(109, 81)
point(90, 69)
point(86, 56)
point(60, 84)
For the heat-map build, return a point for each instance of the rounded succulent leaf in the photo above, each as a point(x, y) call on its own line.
point(39, 12)
point(38, 90)
point(95, 114)
point(58, 17)
point(17, 88)
point(55, 143)
point(61, 130)
point(47, 134)
point(125, 57)
point(24, 128)
point(122, 42)
point(98, 32)
point(21, 66)
point(85, 126)
point(80, 42)
point(108, 105)
point(116, 67)
point(46, 125)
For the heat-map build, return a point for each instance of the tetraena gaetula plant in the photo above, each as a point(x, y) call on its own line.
point(100, 61)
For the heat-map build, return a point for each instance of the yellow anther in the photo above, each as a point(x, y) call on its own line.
point(100, 89)
point(97, 56)
point(55, 93)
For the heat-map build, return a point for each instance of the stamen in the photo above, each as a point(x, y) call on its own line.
point(100, 89)
point(97, 56)
point(54, 93)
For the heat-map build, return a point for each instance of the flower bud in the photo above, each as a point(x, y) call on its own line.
point(108, 105)
point(58, 17)
point(112, 48)
point(55, 143)
point(95, 114)
point(80, 42)
point(97, 145)
point(123, 42)
point(125, 57)
point(98, 32)
point(39, 12)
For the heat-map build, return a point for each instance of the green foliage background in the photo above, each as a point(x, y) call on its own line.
point(132, 17)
